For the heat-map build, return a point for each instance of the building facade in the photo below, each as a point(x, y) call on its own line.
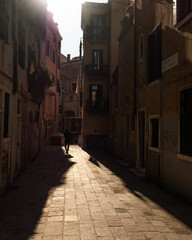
point(53, 95)
point(71, 77)
point(149, 90)
point(22, 81)
point(176, 95)
point(154, 76)
point(95, 26)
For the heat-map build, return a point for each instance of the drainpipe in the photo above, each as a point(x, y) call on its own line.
point(135, 63)
point(161, 124)
point(109, 69)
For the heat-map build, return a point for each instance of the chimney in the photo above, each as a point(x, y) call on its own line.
point(68, 57)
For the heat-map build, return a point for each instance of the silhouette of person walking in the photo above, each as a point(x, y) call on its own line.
point(67, 136)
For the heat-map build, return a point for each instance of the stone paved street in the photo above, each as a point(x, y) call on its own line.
point(83, 197)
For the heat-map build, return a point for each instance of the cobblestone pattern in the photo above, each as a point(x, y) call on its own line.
point(77, 197)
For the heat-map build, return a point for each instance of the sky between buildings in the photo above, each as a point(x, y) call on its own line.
point(67, 13)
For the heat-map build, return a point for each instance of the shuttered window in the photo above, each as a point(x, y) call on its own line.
point(97, 60)
point(4, 20)
point(154, 55)
point(186, 122)
point(98, 22)
point(184, 7)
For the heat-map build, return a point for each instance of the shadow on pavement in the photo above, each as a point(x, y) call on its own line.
point(22, 206)
point(143, 188)
point(94, 161)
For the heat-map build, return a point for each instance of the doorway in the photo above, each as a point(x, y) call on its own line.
point(127, 133)
point(141, 140)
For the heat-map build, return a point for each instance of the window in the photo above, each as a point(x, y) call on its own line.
point(4, 20)
point(154, 55)
point(185, 122)
point(98, 22)
point(74, 86)
point(74, 70)
point(95, 95)
point(183, 9)
point(97, 60)
point(49, 123)
point(154, 132)
point(21, 45)
point(60, 108)
point(6, 116)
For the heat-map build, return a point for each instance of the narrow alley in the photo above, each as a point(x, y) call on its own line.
point(88, 197)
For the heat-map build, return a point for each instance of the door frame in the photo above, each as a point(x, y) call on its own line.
point(138, 164)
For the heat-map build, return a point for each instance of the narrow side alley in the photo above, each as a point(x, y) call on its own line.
point(88, 197)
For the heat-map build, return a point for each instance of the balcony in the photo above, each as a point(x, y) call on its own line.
point(99, 107)
point(102, 72)
point(96, 33)
point(38, 81)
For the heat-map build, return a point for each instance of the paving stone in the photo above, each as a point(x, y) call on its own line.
point(55, 213)
point(71, 231)
point(114, 223)
point(71, 218)
point(39, 228)
point(60, 237)
point(155, 235)
point(118, 231)
point(73, 199)
point(53, 228)
point(85, 218)
point(102, 231)
point(55, 219)
point(137, 236)
point(88, 237)
point(146, 227)
point(87, 229)
point(34, 237)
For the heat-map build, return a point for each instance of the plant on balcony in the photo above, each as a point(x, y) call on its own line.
point(102, 72)
point(99, 107)
point(39, 80)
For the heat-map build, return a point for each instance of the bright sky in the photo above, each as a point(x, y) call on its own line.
point(67, 13)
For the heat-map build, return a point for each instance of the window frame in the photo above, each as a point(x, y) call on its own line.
point(98, 96)
point(97, 60)
point(151, 145)
point(182, 152)
point(98, 24)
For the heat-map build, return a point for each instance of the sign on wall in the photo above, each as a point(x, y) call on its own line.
point(170, 62)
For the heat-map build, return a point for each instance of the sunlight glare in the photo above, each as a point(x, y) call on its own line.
point(67, 13)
